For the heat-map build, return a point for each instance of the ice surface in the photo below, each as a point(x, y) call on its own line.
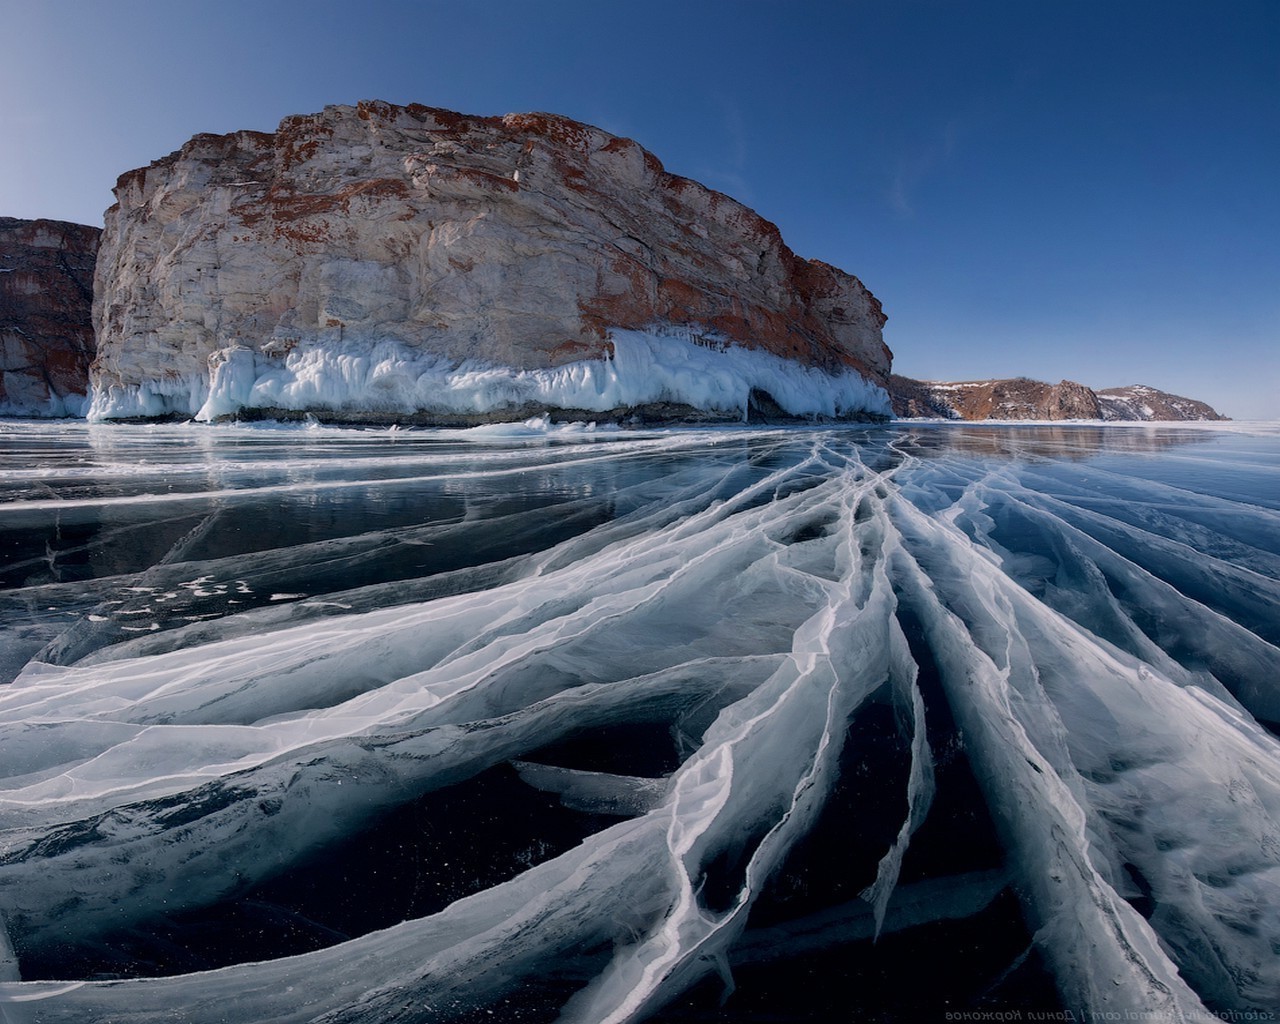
point(538, 722)
point(597, 792)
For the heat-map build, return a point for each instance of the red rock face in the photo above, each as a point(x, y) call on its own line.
point(519, 240)
point(46, 334)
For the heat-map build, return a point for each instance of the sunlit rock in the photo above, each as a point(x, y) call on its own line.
point(382, 261)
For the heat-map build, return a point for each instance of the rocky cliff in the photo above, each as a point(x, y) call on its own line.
point(1020, 398)
point(379, 260)
point(1140, 402)
point(46, 336)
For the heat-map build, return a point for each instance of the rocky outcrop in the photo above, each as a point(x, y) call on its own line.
point(46, 335)
point(1020, 398)
point(378, 258)
point(1139, 402)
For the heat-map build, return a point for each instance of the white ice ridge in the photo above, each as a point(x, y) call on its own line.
point(759, 593)
point(387, 377)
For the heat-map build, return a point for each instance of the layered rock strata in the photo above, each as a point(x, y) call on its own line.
point(382, 260)
point(1020, 398)
point(46, 334)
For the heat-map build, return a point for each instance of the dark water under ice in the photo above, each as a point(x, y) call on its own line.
point(542, 723)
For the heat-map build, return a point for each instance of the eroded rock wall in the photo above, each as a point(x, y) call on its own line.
point(46, 334)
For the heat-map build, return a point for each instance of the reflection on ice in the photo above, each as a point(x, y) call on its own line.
point(608, 726)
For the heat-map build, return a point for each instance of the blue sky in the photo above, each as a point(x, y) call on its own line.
point(1085, 189)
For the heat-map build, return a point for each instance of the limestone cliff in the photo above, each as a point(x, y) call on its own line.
point(46, 336)
point(379, 259)
point(1020, 398)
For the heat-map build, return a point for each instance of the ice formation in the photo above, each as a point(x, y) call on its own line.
point(1080, 622)
point(387, 378)
point(53, 407)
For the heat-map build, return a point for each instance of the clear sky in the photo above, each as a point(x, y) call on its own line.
point(1087, 189)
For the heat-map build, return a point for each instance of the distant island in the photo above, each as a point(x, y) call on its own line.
point(383, 263)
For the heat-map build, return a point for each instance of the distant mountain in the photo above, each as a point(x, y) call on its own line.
point(1021, 398)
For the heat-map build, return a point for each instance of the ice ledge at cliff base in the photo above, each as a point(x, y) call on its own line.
point(387, 379)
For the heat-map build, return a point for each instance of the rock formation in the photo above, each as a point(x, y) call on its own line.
point(46, 335)
point(381, 260)
point(1139, 402)
point(1023, 399)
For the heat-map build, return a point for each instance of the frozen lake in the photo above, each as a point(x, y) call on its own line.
point(537, 723)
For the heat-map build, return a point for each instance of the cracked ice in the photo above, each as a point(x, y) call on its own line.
point(587, 725)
